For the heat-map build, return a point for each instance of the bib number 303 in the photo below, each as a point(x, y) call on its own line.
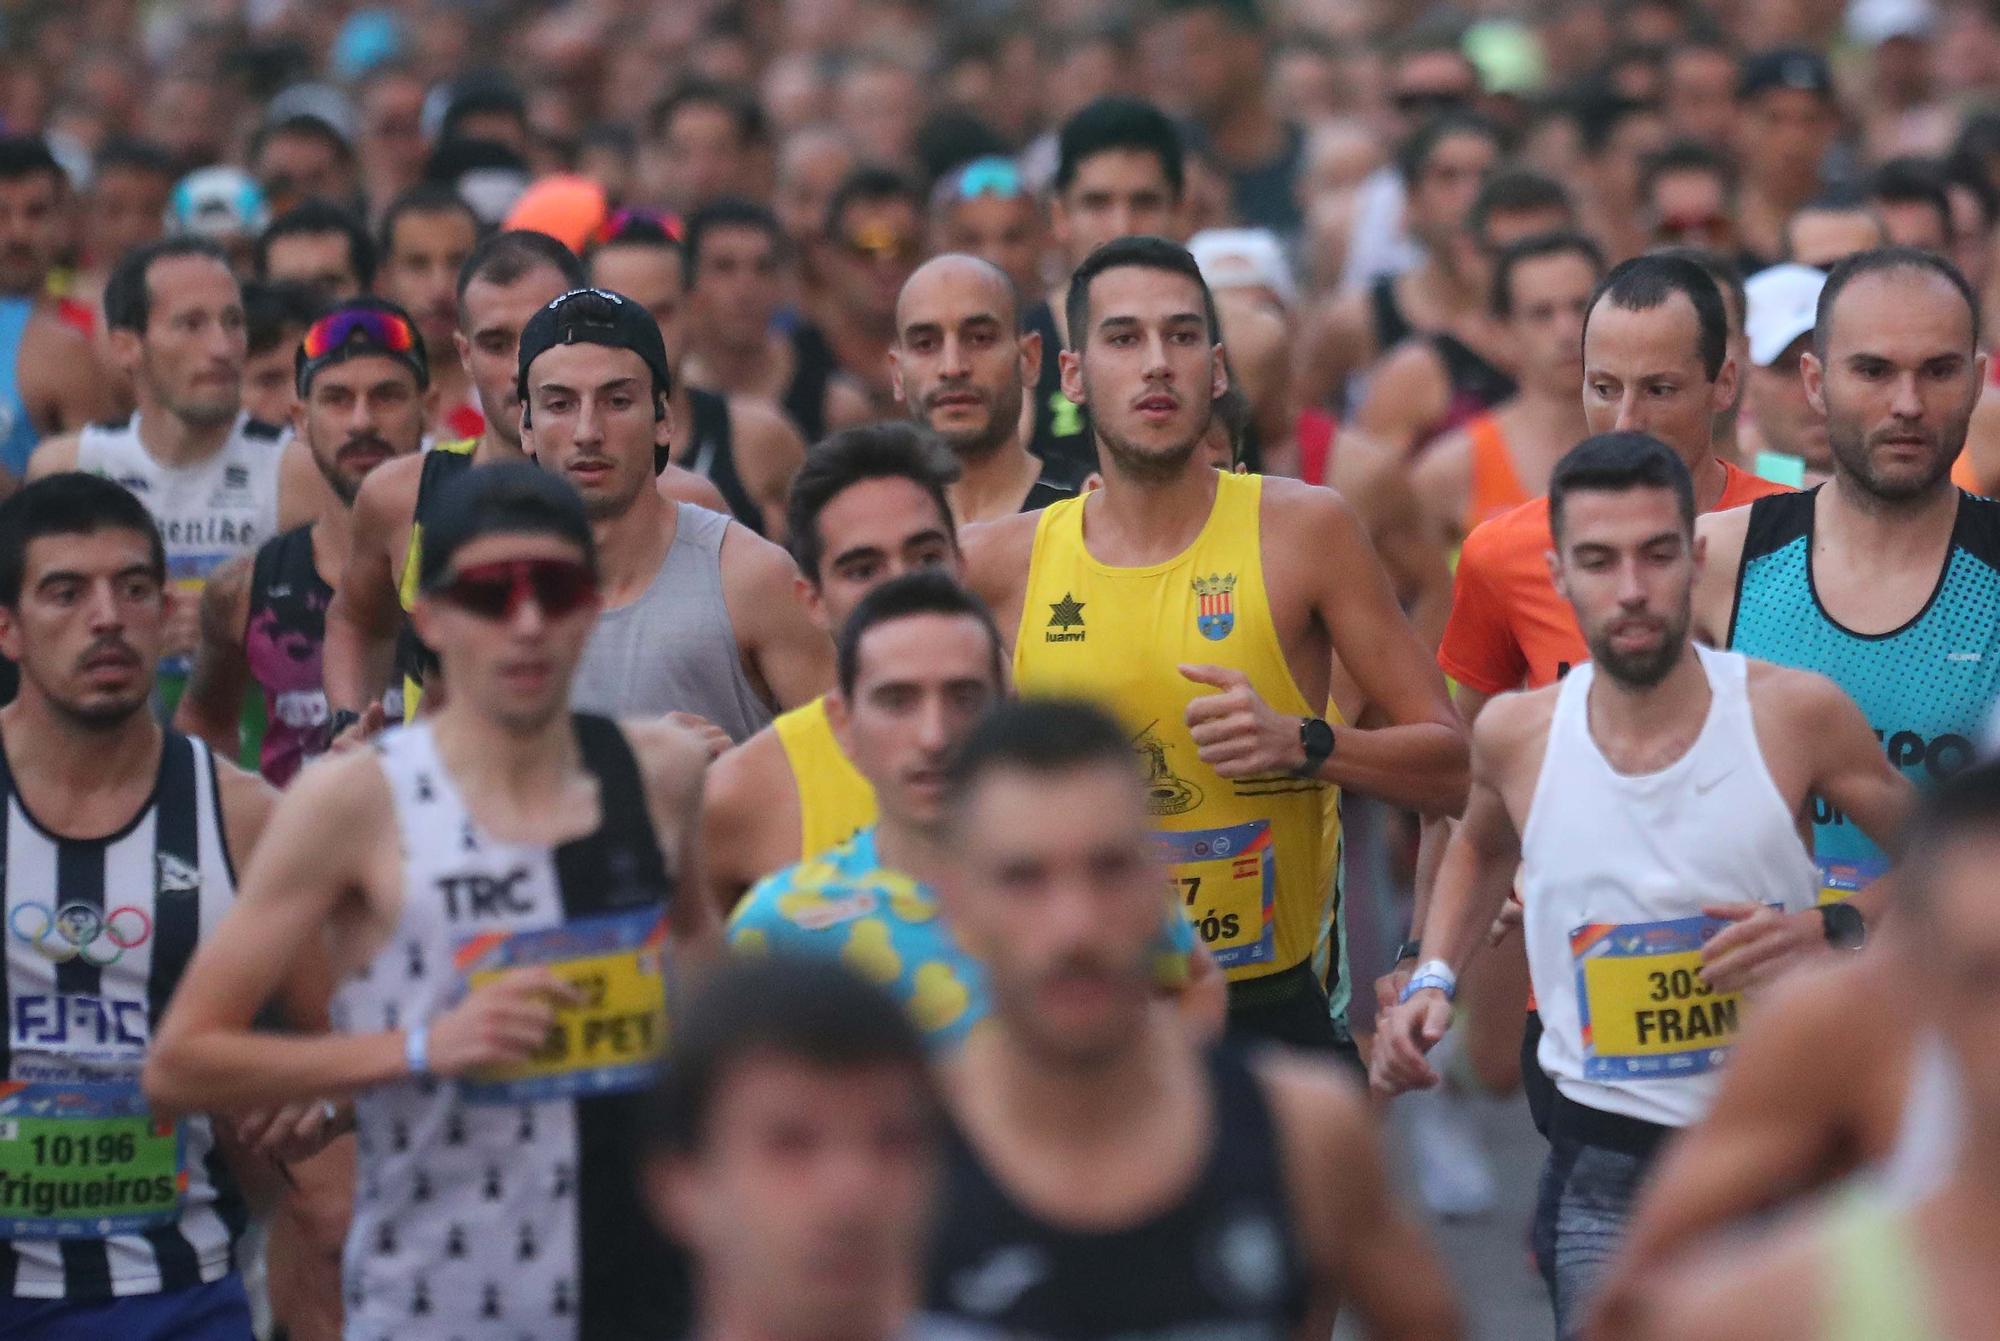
point(1226, 882)
point(1644, 1008)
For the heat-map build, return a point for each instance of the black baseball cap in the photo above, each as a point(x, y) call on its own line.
point(506, 498)
point(355, 327)
point(598, 317)
point(1786, 67)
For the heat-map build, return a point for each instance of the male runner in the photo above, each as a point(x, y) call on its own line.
point(1887, 578)
point(985, 208)
point(1623, 799)
point(794, 1151)
point(495, 886)
point(1871, 1264)
point(962, 365)
point(361, 379)
point(1209, 608)
point(748, 450)
point(121, 845)
point(1106, 1178)
point(206, 472)
point(428, 234)
point(699, 614)
point(1541, 292)
point(869, 505)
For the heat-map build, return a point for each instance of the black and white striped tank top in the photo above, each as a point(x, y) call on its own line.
point(98, 1199)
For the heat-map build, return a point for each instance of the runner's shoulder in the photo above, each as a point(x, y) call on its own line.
point(246, 801)
point(672, 759)
point(1796, 694)
point(1725, 530)
point(1523, 528)
point(743, 774)
point(1313, 509)
point(1512, 720)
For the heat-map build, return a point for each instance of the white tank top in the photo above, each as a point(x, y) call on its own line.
point(1615, 870)
point(1933, 1125)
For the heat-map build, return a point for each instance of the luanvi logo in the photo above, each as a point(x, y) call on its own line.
point(1065, 620)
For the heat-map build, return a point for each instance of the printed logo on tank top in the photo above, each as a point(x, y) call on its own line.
point(1215, 605)
point(1065, 620)
point(477, 894)
point(1167, 792)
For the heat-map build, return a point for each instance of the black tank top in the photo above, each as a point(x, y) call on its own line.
point(282, 641)
point(1221, 1261)
point(711, 451)
point(813, 366)
point(1062, 435)
point(412, 657)
point(1391, 326)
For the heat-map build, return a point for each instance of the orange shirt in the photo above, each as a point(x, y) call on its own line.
point(1509, 627)
point(1495, 485)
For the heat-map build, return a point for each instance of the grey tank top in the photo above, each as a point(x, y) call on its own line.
point(674, 649)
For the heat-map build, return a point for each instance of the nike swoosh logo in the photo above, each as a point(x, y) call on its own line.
point(1704, 788)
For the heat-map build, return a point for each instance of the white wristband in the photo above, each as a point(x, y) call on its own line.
point(1431, 973)
point(417, 1050)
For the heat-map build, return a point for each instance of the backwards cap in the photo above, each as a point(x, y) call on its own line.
point(597, 317)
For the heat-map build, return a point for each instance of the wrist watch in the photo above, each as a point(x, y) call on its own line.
point(1844, 928)
point(1409, 949)
point(1316, 739)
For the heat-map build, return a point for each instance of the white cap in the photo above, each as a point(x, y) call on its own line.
point(1244, 258)
point(1873, 22)
point(1780, 305)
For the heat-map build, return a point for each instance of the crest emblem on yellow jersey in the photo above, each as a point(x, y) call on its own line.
point(1215, 605)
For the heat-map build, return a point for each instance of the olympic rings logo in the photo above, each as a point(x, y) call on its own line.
point(76, 930)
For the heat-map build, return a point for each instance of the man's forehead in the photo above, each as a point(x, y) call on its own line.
point(488, 302)
point(586, 364)
point(1902, 308)
point(107, 548)
point(864, 511)
point(1668, 331)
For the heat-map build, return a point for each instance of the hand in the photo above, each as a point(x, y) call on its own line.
point(1763, 944)
point(295, 1131)
point(1389, 987)
point(1402, 1038)
point(713, 738)
point(501, 1022)
point(1236, 732)
point(1508, 922)
point(182, 630)
point(359, 731)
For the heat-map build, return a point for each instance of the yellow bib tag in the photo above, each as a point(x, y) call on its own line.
point(1644, 1009)
point(1228, 885)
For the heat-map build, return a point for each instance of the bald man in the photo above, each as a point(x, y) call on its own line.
point(962, 365)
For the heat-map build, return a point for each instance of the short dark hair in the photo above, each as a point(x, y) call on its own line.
point(1839, 200)
point(928, 592)
point(1969, 171)
point(1599, 114)
point(867, 184)
point(1516, 191)
point(26, 155)
point(423, 198)
point(1643, 283)
point(311, 219)
point(1413, 155)
point(738, 102)
point(636, 229)
point(1910, 180)
point(306, 126)
point(1145, 253)
point(1686, 156)
point(128, 153)
point(885, 451)
point(1882, 261)
point(1038, 735)
point(128, 301)
point(1722, 269)
point(1120, 123)
point(1613, 463)
point(507, 497)
point(1242, 15)
point(271, 310)
point(70, 503)
point(1961, 804)
point(477, 94)
point(728, 212)
point(504, 258)
point(791, 1008)
point(1515, 255)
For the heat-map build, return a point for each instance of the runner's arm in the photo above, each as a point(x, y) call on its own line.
point(674, 761)
point(212, 705)
point(1853, 775)
point(789, 656)
point(679, 485)
point(741, 825)
point(1721, 536)
point(770, 452)
point(52, 456)
point(60, 380)
point(1408, 394)
point(359, 652)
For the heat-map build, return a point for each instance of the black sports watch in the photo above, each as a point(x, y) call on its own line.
point(1316, 739)
point(1844, 928)
point(339, 722)
point(1410, 949)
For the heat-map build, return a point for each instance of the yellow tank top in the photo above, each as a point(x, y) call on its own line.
point(835, 801)
point(1255, 860)
point(434, 472)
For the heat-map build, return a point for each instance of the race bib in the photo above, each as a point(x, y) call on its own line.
point(1839, 878)
point(1644, 1008)
point(1227, 882)
point(85, 1160)
point(609, 1042)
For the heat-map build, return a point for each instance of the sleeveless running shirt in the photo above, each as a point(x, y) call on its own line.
point(1061, 435)
point(502, 1206)
point(17, 427)
point(1615, 870)
point(1926, 687)
point(711, 452)
point(441, 463)
point(282, 642)
point(1256, 858)
point(97, 1198)
point(1496, 487)
point(835, 801)
point(674, 648)
point(1220, 1264)
point(813, 367)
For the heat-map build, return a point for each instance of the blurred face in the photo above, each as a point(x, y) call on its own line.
point(32, 229)
point(876, 246)
point(1006, 232)
point(957, 362)
point(1972, 239)
point(1777, 400)
point(321, 261)
point(1426, 83)
point(358, 414)
point(807, 1205)
point(1898, 384)
point(267, 380)
point(127, 208)
point(1636, 136)
point(1642, 372)
point(1550, 295)
point(1691, 209)
point(191, 360)
point(702, 155)
point(651, 277)
point(420, 273)
point(592, 420)
point(920, 686)
point(879, 106)
point(1148, 367)
point(813, 166)
point(88, 630)
point(1701, 94)
point(293, 168)
point(1115, 193)
point(870, 532)
point(490, 344)
point(1825, 237)
point(1446, 184)
point(392, 136)
point(1209, 61)
point(1915, 223)
point(1786, 133)
point(738, 286)
point(1962, 973)
point(1058, 889)
point(1626, 563)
